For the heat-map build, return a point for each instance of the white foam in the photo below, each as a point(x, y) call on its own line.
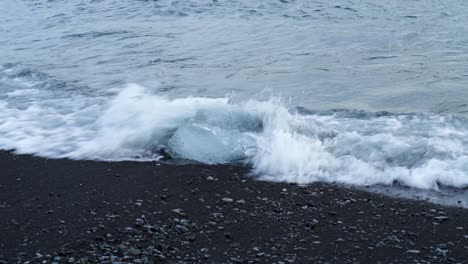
point(417, 151)
point(135, 123)
point(420, 151)
point(24, 92)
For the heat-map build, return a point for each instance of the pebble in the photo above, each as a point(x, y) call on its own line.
point(441, 218)
point(182, 228)
point(227, 200)
point(177, 211)
point(135, 251)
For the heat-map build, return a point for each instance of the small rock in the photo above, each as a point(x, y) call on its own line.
point(440, 251)
point(300, 249)
point(441, 218)
point(135, 251)
point(178, 211)
point(227, 200)
point(181, 228)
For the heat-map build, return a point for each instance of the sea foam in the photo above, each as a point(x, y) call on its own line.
point(279, 143)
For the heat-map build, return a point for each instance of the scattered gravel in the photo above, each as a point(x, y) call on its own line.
point(176, 214)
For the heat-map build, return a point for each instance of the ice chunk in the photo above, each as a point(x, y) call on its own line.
point(210, 144)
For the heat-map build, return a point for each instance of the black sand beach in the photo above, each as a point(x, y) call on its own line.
point(68, 211)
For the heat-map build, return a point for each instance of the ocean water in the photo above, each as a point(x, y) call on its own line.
point(354, 92)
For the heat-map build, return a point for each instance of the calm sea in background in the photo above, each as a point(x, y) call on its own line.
point(356, 92)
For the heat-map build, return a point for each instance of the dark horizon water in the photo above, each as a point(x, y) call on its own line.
point(355, 92)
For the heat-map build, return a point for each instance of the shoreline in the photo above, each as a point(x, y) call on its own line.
point(152, 212)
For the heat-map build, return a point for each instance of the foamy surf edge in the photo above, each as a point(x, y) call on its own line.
point(281, 144)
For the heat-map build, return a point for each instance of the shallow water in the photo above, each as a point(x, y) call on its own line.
point(296, 89)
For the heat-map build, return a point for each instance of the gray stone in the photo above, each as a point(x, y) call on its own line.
point(182, 228)
point(135, 251)
point(227, 200)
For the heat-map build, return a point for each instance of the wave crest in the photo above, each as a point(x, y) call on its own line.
point(281, 144)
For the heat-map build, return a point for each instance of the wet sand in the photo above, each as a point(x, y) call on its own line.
point(100, 212)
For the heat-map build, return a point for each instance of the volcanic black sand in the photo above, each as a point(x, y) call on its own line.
point(67, 211)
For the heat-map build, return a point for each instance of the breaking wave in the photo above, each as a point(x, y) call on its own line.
point(280, 143)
